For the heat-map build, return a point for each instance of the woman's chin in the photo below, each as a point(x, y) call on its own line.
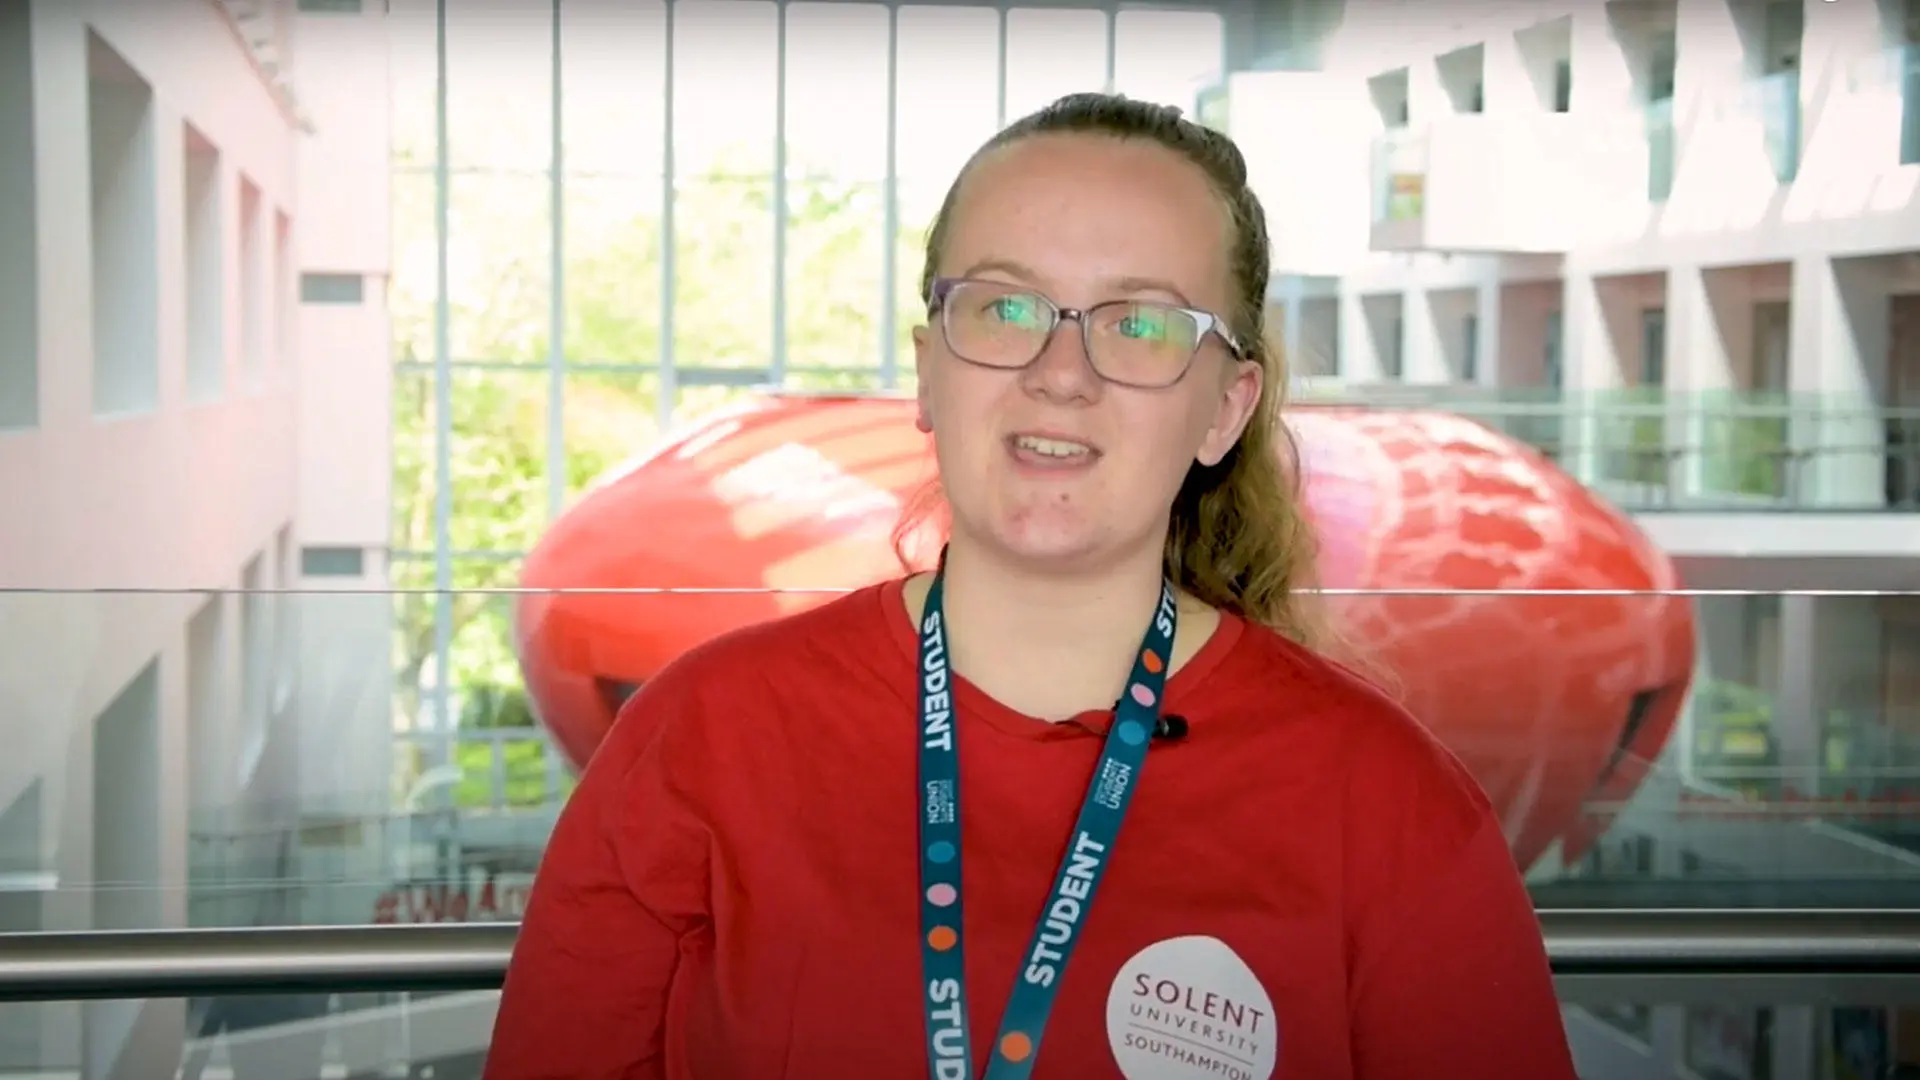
point(1055, 539)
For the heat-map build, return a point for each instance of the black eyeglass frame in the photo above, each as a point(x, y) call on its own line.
point(1208, 322)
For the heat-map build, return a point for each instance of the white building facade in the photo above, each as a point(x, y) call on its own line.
point(1676, 245)
point(192, 421)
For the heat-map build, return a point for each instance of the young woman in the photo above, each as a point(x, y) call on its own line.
point(1186, 844)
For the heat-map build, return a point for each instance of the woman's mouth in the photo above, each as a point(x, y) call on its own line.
point(1051, 451)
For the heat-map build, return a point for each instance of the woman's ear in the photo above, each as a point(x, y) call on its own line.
point(1238, 399)
point(922, 419)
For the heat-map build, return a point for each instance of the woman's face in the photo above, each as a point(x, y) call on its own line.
point(1079, 220)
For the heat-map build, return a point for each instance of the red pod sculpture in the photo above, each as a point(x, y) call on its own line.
point(1512, 610)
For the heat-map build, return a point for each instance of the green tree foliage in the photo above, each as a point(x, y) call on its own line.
point(499, 295)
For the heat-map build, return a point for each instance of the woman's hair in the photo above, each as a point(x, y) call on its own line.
point(1239, 539)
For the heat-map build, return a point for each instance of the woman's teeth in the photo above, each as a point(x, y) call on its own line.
point(1053, 448)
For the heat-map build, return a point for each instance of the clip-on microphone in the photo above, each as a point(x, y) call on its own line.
point(1167, 727)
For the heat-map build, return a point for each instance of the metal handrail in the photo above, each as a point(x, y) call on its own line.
point(1716, 943)
point(207, 962)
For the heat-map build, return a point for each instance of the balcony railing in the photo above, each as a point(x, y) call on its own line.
point(1874, 947)
point(346, 1001)
point(1651, 451)
point(455, 835)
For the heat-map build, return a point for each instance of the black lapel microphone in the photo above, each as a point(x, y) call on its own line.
point(1167, 727)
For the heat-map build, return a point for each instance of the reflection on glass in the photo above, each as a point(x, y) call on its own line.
point(250, 1036)
point(1751, 799)
point(1729, 1044)
point(367, 808)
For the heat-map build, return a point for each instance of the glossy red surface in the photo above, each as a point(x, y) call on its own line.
point(1516, 621)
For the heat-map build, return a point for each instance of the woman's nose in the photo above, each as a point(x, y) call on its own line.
point(1064, 369)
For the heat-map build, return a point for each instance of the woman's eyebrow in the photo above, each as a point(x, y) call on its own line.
point(1147, 284)
point(1128, 284)
point(1004, 266)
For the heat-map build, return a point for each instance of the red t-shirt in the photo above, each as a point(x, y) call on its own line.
point(1306, 886)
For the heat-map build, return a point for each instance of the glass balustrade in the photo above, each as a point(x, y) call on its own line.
point(368, 787)
point(1793, 995)
point(252, 1036)
point(380, 793)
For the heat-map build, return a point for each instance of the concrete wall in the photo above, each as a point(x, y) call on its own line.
point(1834, 243)
point(1556, 300)
point(1850, 196)
point(1728, 248)
point(344, 432)
point(149, 206)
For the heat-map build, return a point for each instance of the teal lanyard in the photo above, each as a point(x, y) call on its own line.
point(949, 1050)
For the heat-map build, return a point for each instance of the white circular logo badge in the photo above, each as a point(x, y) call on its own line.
point(1186, 1009)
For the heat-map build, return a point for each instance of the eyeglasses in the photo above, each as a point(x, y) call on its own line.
point(1135, 343)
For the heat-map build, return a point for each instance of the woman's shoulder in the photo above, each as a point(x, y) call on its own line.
point(855, 620)
point(1390, 758)
point(1402, 813)
point(745, 672)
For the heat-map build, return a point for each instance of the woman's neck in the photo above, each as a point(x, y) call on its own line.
point(1051, 646)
